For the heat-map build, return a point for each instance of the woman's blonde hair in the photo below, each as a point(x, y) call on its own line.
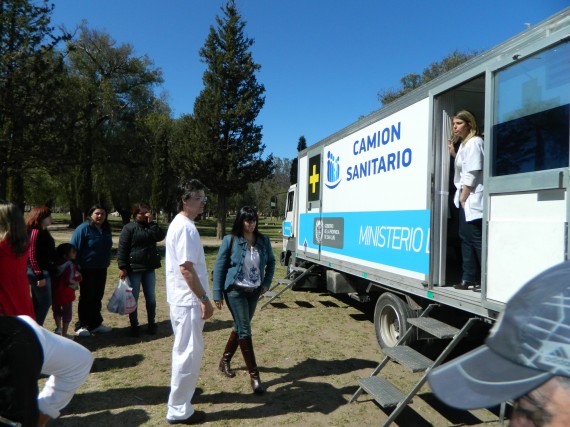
point(468, 118)
point(13, 228)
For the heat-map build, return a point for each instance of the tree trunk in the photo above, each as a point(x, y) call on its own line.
point(85, 181)
point(76, 216)
point(222, 214)
point(16, 188)
point(125, 215)
point(3, 180)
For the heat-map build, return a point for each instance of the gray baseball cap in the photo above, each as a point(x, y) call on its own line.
point(528, 345)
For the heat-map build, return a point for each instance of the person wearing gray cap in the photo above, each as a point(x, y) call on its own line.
point(525, 358)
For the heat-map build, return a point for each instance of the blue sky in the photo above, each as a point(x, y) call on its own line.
point(323, 62)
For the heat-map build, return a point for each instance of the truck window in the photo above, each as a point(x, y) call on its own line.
point(290, 198)
point(532, 113)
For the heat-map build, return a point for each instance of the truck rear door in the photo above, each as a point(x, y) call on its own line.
point(310, 215)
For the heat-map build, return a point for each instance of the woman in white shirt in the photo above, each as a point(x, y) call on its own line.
point(468, 180)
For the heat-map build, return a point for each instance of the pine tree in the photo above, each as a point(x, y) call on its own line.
point(301, 145)
point(226, 143)
point(29, 72)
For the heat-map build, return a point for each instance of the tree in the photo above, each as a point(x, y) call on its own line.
point(225, 142)
point(158, 133)
point(113, 90)
point(301, 145)
point(412, 81)
point(29, 75)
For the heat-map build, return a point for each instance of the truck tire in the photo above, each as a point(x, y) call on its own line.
point(391, 320)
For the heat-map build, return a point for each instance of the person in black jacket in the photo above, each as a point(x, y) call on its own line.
point(41, 260)
point(138, 257)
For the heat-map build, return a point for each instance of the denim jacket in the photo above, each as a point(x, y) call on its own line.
point(223, 278)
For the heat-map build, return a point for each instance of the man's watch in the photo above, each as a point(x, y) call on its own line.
point(204, 298)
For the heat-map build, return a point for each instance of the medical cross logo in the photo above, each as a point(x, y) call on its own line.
point(314, 182)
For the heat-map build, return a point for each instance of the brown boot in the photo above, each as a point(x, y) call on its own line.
point(229, 351)
point(246, 347)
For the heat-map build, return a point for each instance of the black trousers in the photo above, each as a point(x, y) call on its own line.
point(21, 360)
point(91, 291)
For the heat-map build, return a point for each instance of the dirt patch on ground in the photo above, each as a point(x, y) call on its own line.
point(311, 349)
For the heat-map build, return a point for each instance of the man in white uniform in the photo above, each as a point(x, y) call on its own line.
point(187, 293)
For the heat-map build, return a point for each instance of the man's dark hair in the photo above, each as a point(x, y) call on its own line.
point(187, 189)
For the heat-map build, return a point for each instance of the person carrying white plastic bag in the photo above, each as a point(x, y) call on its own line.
point(122, 301)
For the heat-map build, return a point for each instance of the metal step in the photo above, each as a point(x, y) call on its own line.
point(284, 281)
point(298, 269)
point(384, 392)
point(433, 326)
point(269, 294)
point(410, 358)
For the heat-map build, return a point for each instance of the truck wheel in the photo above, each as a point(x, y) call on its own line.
point(391, 320)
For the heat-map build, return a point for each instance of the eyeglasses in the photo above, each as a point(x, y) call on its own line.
point(203, 199)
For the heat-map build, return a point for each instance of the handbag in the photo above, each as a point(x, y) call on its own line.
point(122, 301)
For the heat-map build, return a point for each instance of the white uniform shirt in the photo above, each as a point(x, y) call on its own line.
point(183, 244)
point(469, 171)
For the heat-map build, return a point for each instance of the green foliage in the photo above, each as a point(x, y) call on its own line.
point(412, 81)
point(301, 145)
point(113, 94)
point(29, 78)
point(81, 124)
point(223, 140)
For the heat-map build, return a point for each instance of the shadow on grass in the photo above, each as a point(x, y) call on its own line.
point(116, 398)
point(102, 364)
point(129, 417)
point(455, 416)
point(409, 417)
point(294, 391)
point(119, 337)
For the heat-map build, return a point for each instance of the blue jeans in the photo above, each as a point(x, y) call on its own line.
point(148, 281)
point(41, 297)
point(471, 237)
point(242, 306)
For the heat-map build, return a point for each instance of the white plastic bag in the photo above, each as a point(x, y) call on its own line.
point(122, 301)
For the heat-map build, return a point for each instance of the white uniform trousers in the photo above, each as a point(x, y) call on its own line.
point(67, 364)
point(187, 353)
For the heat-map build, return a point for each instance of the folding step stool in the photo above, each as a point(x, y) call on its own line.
point(385, 393)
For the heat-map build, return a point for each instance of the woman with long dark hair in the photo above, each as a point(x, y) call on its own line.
point(15, 296)
point(243, 272)
point(93, 242)
point(41, 260)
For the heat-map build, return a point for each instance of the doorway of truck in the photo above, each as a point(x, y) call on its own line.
point(446, 250)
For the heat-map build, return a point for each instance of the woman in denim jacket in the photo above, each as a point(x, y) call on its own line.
point(243, 272)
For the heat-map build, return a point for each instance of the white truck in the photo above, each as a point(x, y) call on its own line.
point(371, 209)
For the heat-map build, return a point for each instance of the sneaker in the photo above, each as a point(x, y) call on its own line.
point(102, 329)
point(134, 331)
point(196, 418)
point(83, 332)
point(57, 331)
